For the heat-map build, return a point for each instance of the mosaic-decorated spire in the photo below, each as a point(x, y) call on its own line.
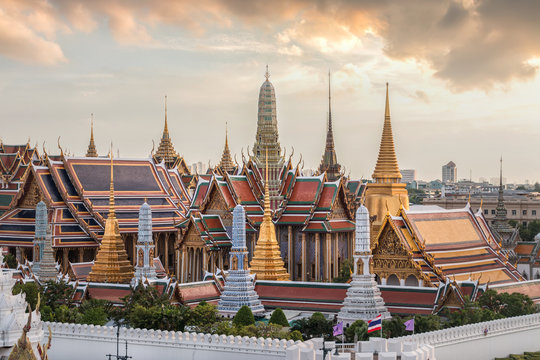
point(145, 245)
point(239, 289)
point(387, 169)
point(92, 152)
point(267, 145)
point(267, 262)
point(111, 264)
point(363, 300)
point(39, 235)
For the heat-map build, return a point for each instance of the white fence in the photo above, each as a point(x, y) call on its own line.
point(486, 340)
point(89, 342)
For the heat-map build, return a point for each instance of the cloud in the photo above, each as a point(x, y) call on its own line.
point(22, 37)
point(478, 44)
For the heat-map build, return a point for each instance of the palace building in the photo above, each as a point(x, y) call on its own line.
point(298, 228)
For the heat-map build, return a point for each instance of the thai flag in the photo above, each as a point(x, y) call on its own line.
point(375, 324)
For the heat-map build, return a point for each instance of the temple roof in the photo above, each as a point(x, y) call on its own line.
point(454, 242)
point(329, 163)
point(92, 152)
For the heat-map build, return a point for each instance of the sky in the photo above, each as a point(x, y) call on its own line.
point(462, 74)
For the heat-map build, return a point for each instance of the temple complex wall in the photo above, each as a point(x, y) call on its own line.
point(88, 342)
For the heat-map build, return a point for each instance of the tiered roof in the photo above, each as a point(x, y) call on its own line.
point(15, 161)
point(76, 191)
point(450, 244)
point(92, 152)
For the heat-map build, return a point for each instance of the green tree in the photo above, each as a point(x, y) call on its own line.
point(356, 331)
point(204, 316)
point(278, 317)
point(164, 317)
point(11, 261)
point(56, 294)
point(65, 314)
point(425, 323)
point(95, 312)
point(393, 327)
point(295, 335)
point(244, 317)
point(345, 272)
point(315, 326)
point(31, 291)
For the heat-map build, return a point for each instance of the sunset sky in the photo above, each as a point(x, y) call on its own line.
point(463, 78)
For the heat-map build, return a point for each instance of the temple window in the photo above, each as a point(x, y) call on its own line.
point(392, 280)
point(411, 281)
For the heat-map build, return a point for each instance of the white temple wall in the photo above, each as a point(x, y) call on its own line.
point(88, 342)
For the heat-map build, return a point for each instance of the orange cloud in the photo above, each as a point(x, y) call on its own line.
point(468, 44)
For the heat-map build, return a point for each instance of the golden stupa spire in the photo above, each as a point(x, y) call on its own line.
point(387, 169)
point(166, 128)
point(267, 262)
point(91, 152)
point(111, 264)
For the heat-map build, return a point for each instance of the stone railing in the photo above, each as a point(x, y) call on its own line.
point(474, 331)
point(174, 339)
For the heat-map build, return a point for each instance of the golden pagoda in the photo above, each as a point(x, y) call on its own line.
point(386, 193)
point(226, 163)
point(91, 152)
point(111, 264)
point(267, 262)
point(165, 151)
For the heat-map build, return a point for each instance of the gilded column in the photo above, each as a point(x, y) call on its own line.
point(336, 255)
point(327, 256)
point(317, 274)
point(290, 252)
point(304, 256)
point(166, 253)
point(205, 260)
point(65, 259)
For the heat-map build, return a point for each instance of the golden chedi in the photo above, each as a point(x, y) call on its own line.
point(267, 262)
point(386, 193)
point(111, 264)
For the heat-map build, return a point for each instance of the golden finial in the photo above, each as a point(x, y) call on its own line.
point(387, 107)
point(481, 202)
point(267, 74)
point(112, 212)
point(92, 126)
point(166, 130)
point(58, 142)
point(387, 208)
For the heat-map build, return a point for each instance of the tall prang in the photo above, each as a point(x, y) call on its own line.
point(239, 288)
point(386, 193)
point(363, 300)
point(267, 145)
point(111, 264)
point(329, 161)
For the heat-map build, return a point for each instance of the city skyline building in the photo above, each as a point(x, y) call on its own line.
point(449, 173)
